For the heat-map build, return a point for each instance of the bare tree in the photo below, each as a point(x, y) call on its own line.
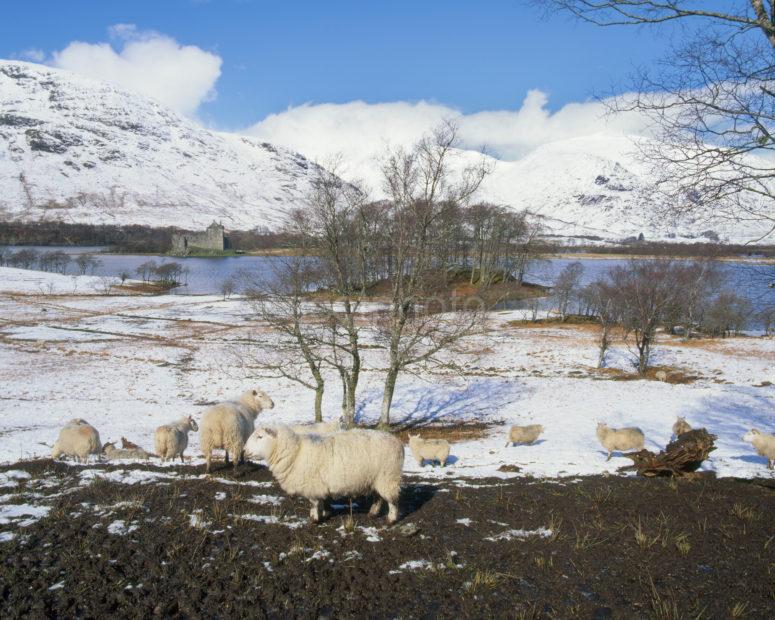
point(712, 102)
point(643, 291)
point(283, 302)
point(602, 299)
point(566, 287)
point(335, 224)
point(420, 184)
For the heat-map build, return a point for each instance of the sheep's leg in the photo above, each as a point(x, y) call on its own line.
point(609, 456)
point(314, 512)
point(392, 516)
point(208, 457)
point(226, 458)
point(443, 462)
point(771, 463)
point(181, 458)
point(242, 457)
point(376, 507)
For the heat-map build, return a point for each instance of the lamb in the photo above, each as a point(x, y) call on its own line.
point(350, 463)
point(228, 425)
point(681, 426)
point(171, 440)
point(620, 439)
point(660, 375)
point(128, 445)
point(115, 454)
point(77, 438)
point(524, 434)
point(429, 450)
point(318, 428)
point(764, 444)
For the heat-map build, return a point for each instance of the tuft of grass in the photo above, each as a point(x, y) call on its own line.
point(739, 610)
point(682, 544)
point(483, 579)
point(744, 513)
point(642, 538)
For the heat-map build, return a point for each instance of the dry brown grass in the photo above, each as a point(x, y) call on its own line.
point(452, 433)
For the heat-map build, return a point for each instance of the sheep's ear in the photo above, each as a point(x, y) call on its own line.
point(271, 432)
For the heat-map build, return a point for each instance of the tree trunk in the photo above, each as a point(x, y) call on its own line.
point(681, 457)
point(319, 402)
point(387, 397)
point(603, 347)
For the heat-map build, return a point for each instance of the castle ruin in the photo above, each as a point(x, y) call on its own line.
point(213, 239)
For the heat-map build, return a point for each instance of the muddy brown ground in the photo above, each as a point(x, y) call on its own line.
point(187, 547)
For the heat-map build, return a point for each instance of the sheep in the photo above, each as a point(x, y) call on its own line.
point(660, 375)
point(171, 440)
point(228, 425)
point(524, 434)
point(77, 438)
point(764, 444)
point(681, 426)
point(350, 463)
point(114, 454)
point(429, 450)
point(620, 439)
point(128, 445)
point(318, 428)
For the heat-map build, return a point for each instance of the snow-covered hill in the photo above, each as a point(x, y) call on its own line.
point(80, 150)
point(598, 187)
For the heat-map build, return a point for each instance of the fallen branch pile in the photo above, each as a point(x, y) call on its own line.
point(681, 457)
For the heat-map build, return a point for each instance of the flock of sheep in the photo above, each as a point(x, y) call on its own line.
point(323, 461)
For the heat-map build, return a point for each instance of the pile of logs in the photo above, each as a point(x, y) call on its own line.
point(680, 458)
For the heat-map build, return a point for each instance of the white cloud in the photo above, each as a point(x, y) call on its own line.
point(360, 131)
point(179, 76)
point(33, 54)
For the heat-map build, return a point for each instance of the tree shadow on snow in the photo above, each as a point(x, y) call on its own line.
point(422, 405)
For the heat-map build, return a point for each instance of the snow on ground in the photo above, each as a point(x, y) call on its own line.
point(128, 364)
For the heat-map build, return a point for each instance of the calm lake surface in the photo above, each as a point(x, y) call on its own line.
point(205, 275)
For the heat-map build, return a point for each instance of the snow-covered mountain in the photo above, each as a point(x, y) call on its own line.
point(80, 150)
point(597, 186)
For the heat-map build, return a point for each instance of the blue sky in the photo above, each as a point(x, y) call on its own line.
point(472, 56)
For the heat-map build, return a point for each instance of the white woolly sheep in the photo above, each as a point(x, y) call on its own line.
point(116, 454)
point(620, 439)
point(681, 426)
point(524, 434)
point(764, 444)
point(228, 425)
point(660, 375)
point(347, 464)
point(171, 440)
point(429, 450)
point(318, 428)
point(77, 438)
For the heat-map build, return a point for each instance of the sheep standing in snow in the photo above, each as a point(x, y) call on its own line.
point(347, 464)
point(429, 450)
point(77, 438)
point(318, 428)
point(764, 444)
point(171, 440)
point(620, 439)
point(228, 425)
point(524, 434)
point(681, 426)
point(116, 454)
point(660, 375)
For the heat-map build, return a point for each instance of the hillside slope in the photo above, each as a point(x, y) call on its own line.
point(80, 150)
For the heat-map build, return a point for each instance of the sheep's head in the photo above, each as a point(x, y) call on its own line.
point(601, 426)
point(749, 436)
point(260, 400)
point(110, 444)
point(260, 444)
point(192, 424)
